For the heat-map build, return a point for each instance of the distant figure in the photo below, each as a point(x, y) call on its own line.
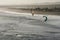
point(33, 12)
point(45, 18)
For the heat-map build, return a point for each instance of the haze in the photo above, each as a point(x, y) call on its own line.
point(24, 2)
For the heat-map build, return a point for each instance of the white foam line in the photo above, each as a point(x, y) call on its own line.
point(5, 11)
point(11, 12)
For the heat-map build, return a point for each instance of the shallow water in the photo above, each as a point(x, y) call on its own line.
point(30, 27)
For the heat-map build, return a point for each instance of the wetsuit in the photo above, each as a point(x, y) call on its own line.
point(45, 18)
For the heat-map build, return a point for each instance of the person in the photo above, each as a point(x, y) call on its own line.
point(33, 11)
point(45, 18)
